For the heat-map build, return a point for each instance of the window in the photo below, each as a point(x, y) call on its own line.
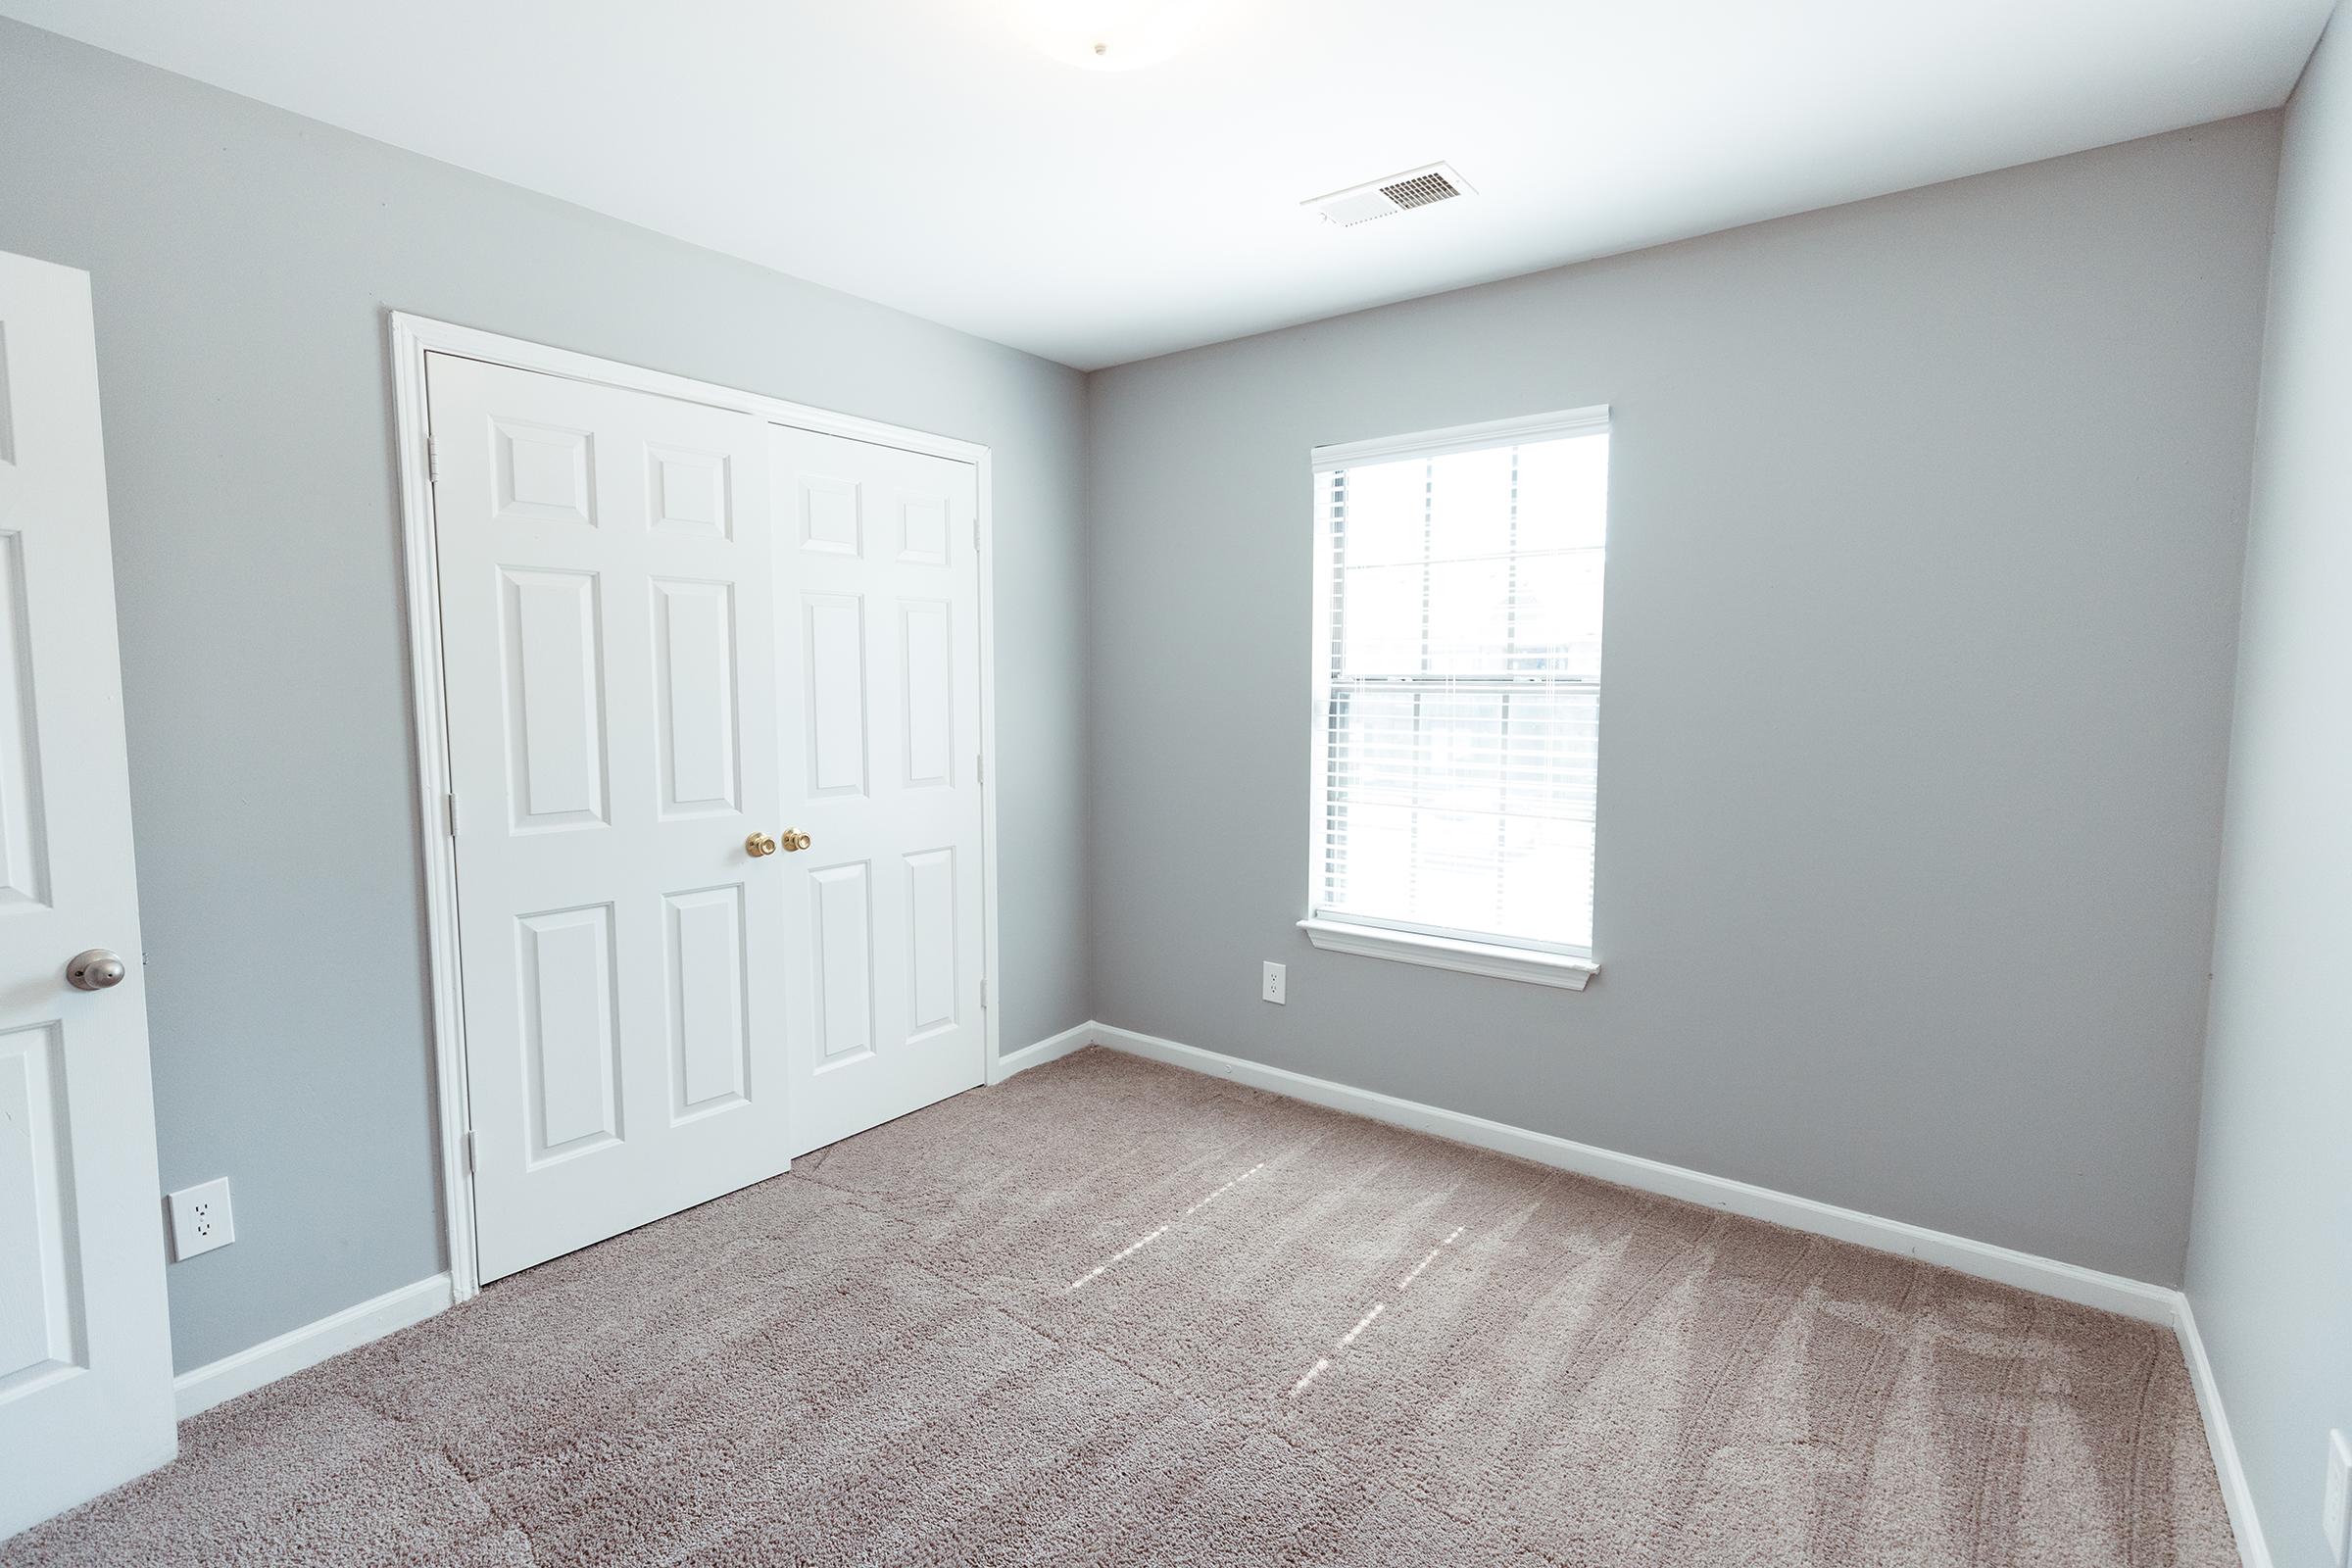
point(1457, 694)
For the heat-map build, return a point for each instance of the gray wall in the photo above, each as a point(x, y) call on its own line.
point(1927, 522)
point(2270, 1259)
point(242, 260)
point(1928, 519)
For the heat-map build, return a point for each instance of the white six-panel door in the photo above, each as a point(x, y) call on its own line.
point(608, 621)
point(85, 1355)
point(670, 629)
point(879, 595)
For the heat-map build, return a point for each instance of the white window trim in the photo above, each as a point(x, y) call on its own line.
point(1489, 959)
point(1570, 971)
point(1464, 438)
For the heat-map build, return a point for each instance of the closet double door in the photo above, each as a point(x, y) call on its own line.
point(713, 704)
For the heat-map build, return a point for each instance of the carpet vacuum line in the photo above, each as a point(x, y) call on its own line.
point(1137, 1246)
point(1323, 1363)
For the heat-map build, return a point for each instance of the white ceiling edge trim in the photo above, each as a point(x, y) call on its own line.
point(2239, 69)
point(1665, 239)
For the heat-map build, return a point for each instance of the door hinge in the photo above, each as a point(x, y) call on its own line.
point(432, 460)
point(975, 532)
point(980, 768)
point(984, 993)
point(449, 806)
point(469, 1153)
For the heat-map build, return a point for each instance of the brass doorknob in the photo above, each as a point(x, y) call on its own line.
point(759, 843)
point(795, 841)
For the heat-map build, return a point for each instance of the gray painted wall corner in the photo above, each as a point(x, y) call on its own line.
point(2270, 1262)
point(242, 259)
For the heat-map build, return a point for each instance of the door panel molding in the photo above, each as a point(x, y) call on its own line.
point(86, 1347)
point(541, 468)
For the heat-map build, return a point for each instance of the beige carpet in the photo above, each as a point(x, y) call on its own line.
point(1113, 1312)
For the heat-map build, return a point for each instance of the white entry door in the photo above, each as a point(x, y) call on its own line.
point(881, 682)
point(85, 1354)
point(608, 593)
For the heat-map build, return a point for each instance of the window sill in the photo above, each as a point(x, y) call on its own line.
point(1444, 952)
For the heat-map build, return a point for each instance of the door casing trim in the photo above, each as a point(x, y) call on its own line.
point(411, 338)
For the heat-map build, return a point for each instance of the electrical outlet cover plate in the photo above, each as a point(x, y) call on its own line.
point(201, 1219)
point(1275, 985)
point(2331, 1506)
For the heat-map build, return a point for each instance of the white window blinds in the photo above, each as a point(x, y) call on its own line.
point(1458, 680)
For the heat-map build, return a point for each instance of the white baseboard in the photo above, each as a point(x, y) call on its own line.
point(2253, 1551)
point(356, 1326)
point(2111, 1293)
point(1045, 1050)
point(309, 1345)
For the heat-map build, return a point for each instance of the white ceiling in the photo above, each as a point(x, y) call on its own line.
point(928, 153)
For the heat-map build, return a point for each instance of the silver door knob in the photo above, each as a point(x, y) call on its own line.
point(95, 970)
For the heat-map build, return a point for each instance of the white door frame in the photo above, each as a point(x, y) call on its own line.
point(413, 337)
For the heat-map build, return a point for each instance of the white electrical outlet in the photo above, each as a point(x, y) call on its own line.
point(201, 1220)
point(2331, 1506)
point(1274, 985)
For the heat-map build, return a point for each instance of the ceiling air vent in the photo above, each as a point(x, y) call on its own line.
point(1379, 198)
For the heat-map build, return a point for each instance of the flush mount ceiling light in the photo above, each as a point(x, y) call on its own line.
point(1113, 34)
